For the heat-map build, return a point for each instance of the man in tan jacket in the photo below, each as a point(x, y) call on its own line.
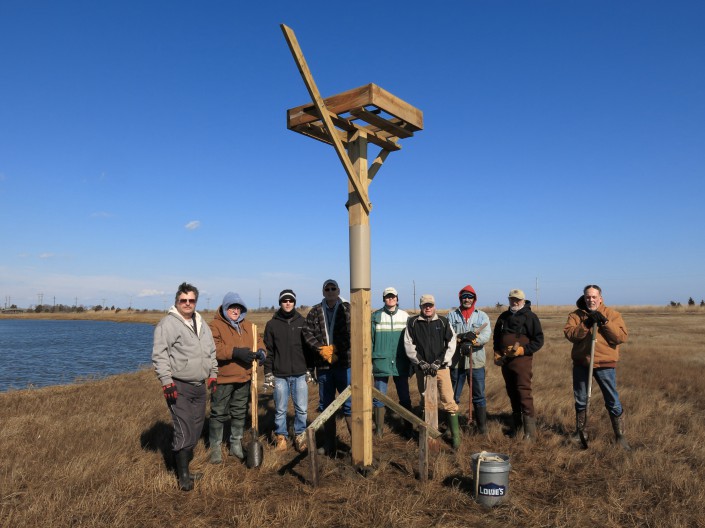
point(611, 332)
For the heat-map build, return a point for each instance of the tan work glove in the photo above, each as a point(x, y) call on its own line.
point(328, 352)
point(515, 351)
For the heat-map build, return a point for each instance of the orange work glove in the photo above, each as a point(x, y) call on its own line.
point(326, 352)
point(498, 359)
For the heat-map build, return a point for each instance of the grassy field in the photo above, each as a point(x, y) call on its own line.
point(92, 454)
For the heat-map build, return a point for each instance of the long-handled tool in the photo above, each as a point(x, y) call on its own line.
point(255, 450)
point(581, 430)
point(470, 406)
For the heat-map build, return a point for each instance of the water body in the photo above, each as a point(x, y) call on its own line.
point(38, 353)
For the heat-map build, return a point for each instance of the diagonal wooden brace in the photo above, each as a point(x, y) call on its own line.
point(307, 77)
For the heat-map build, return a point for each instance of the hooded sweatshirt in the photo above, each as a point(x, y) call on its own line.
point(229, 334)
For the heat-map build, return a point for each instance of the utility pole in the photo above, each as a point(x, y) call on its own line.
point(414, 293)
point(537, 292)
point(259, 306)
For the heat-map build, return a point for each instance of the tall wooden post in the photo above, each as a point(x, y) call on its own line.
point(360, 290)
point(350, 120)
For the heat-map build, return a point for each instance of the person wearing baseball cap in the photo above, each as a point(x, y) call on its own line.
point(285, 369)
point(517, 337)
point(429, 341)
point(388, 354)
point(327, 332)
point(472, 327)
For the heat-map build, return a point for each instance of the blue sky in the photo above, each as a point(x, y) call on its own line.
point(144, 143)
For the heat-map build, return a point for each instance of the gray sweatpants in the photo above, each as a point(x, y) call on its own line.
point(188, 414)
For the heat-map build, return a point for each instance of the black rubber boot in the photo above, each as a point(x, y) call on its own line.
point(516, 425)
point(618, 428)
point(329, 441)
point(579, 426)
point(379, 421)
point(182, 461)
point(237, 429)
point(480, 419)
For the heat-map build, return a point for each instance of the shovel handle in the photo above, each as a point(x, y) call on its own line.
point(253, 383)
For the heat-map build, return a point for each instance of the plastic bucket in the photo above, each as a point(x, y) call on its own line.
point(490, 477)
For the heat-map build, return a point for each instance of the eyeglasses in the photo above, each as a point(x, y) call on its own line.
point(428, 305)
point(467, 296)
point(330, 289)
point(235, 309)
point(287, 301)
point(187, 301)
point(390, 296)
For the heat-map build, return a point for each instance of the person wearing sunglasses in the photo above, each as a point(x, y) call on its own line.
point(473, 332)
point(327, 333)
point(285, 369)
point(611, 332)
point(184, 360)
point(517, 337)
point(234, 341)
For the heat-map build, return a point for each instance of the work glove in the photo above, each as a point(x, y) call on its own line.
point(470, 337)
point(311, 376)
point(328, 352)
point(595, 317)
point(465, 349)
point(268, 382)
point(170, 393)
point(261, 356)
point(498, 359)
point(212, 384)
point(425, 368)
point(244, 354)
point(514, 351)
point(435, 367)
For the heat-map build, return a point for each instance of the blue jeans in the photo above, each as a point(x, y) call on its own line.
point(402, 385)
point(607, 381)
point(458, 377)
point(330, 380)
point(297, 387)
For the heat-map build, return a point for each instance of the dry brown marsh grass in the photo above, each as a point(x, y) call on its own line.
point(93, 454)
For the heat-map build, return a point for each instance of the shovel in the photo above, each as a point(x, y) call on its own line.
point(581, 430)
point(254, 448)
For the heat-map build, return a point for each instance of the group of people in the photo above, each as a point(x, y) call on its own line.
point(194, 360)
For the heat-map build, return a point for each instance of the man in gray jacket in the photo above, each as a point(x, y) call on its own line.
point(184, 360)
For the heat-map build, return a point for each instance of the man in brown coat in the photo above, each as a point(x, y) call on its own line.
point(611, 332)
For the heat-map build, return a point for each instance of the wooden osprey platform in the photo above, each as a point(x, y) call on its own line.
point(370, 108)
point(349, 121)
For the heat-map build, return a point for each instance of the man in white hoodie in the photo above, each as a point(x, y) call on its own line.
point(184, 360)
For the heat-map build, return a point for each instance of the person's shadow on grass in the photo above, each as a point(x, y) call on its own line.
point(158, 438)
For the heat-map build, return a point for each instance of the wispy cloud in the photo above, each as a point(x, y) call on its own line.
point(46, 255)
point(101, 214)
point(150, 293)
point(193, 224)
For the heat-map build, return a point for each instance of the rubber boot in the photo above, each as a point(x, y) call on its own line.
point(516, 425)
point(329, 441)
point(480, 419)
point(215, 435)
point(193, 475)
point(379, 421)
point(237, 429)
point(529, 428)
point(185, 482)
point(454, 429)
point(618, 428)
point(579, 426)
